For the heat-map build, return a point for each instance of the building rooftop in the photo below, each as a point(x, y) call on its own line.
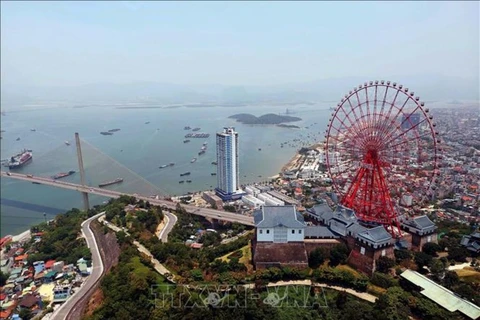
point(320, 232)
point(272, 216)
point(375, 235)
point(441, 295)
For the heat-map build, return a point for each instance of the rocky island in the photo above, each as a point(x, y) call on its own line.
point(269, 118)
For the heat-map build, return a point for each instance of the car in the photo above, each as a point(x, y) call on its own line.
point(91, 190)
point(9, 174)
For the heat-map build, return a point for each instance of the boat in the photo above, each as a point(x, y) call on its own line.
point(205, 143)
point(63, 174)
point(203, 148)
point(201, 152)
point(259, 149)
point(214, 163)
point(107, 183)
point(113, 130)
point(186, 128)
point(181, 181)
point(186, 141)
point(147, 122)
point(20, 159)
point(106, 133)
point(171, 164)
point(33, 130)
point(196, 129)
point(184, 174)
point(213, 174)
point(163, 166)
point(67, 143)
point(189, 181)
point(193, 160)
point(34, 182)
point(18, 139)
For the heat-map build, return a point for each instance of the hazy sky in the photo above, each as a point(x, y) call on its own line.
point(61, 43)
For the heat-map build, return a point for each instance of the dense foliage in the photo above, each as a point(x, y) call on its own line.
point(127, 288)
point(61, 239)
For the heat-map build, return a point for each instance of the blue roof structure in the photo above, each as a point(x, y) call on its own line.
point(273, 216)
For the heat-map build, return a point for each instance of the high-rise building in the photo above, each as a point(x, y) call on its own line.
point(228, 186)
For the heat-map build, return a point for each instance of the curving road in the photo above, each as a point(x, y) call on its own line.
point(97, 270)
point(204, 212)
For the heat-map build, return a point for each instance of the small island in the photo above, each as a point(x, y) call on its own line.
point(269, 118)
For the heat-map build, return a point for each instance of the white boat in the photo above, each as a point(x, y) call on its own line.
point(67, 143)
point(193, 160)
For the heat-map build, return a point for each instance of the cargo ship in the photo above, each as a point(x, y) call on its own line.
point(63, 174)
point(20, 159)
point(184, 174)
point(107, 183)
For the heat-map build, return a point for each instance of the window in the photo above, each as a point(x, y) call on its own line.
point(362, 250)
point(300, 231)
point(384, 252)
point(268, 231)
point(293, 231)
point(261, 231)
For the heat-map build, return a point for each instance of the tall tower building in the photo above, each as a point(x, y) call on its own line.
point(228, 186)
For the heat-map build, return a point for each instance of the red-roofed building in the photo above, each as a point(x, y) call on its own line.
point(21, 258)
point(3, 296)
point(5, 314)
point(49, 264)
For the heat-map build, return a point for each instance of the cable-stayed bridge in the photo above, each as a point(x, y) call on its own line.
point(205, 212)
point(96, 167)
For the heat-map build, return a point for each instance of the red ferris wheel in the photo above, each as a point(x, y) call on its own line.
point(381, 146)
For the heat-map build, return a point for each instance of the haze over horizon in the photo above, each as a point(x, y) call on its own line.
point(207, 46)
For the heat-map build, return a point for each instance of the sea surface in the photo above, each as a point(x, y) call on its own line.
point(136, 151)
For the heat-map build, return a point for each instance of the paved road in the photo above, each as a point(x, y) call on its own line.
point(204, 212)
point(97, 271)
point(171, 219)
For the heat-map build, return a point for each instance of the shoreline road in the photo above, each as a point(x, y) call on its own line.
point(97, 271)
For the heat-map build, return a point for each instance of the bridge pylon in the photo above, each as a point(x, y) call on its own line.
point(86, 203)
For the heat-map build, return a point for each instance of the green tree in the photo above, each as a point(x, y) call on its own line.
point(422, 260)
point(458, 254)
point(338, 254)
point(384, 264)
point(317, 257)
point(25, 314)
point(431, 248)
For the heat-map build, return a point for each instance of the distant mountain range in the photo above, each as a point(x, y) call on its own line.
point(429, 88)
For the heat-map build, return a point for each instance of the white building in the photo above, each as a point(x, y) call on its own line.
point(279, 224)
point(227, 164)
point(407, 200)
point(251, 201)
